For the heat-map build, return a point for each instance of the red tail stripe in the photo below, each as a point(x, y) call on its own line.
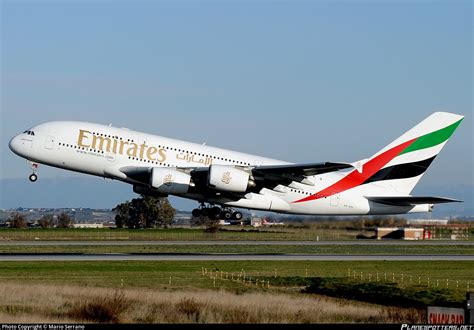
point(354, 178)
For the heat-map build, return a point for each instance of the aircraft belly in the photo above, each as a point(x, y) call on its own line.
point(336, 204)
point(73, 160)
point(260, 202)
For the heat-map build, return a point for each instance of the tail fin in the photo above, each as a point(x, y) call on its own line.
point(405, 160)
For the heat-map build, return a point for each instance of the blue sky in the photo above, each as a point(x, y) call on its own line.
point(299, 81)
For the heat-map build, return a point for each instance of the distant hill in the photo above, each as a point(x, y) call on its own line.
point(99, 193)
point(71, 192)
point(461, 192)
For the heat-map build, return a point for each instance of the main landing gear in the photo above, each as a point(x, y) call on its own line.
point(34, 166)
point(216, 213)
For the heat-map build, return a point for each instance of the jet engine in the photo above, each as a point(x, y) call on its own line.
point(169, 180)
point(229, 178)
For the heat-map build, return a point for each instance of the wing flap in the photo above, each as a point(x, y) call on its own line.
point(410, 200)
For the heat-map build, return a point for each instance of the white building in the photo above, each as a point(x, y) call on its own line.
point(88, 225)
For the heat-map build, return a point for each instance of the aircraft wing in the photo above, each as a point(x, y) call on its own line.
point(265, 176)
point(295, 172)
point(271, 175)
point(410, 200)
point(298, 170)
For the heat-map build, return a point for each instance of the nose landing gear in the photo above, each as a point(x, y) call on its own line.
point(34, 166)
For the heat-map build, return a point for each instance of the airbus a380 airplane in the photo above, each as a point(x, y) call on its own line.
point(222, 179)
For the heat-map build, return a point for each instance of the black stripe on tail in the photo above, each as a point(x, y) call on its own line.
point(401, 171)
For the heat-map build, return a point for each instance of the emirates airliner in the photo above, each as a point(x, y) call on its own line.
point(221, 180)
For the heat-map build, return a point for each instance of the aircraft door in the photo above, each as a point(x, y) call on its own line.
point(49, 142)
point(110, 155)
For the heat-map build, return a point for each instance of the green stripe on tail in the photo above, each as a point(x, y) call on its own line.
point(432, 139)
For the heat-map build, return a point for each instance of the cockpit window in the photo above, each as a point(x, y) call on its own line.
point(29, 132)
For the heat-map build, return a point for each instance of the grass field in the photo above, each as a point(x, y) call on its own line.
point(40, 303)
point(401, 249)
point(220, 291)
point(178, 234)
point(232, 233)
point(153, 274)
point(215, 291)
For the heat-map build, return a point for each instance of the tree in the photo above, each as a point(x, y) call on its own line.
point(18, 220)
point(46, 221)
point(121, 214)
point(64, 221)
point(145, 212)
point(165, 214)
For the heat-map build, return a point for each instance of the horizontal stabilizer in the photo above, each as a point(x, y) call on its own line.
point(410, 200)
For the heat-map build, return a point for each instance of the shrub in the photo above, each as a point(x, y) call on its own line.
point(188, 306)
point(379, 293)
point(105, 309)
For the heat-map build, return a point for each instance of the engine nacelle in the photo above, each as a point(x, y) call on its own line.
point(228, 178)
point(169, 180)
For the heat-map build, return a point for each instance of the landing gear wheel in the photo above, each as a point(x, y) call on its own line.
point(33, 177)
point(196, 213)
point(215, 213)
point(205, 212)
point(226, 215)
point(237, 215)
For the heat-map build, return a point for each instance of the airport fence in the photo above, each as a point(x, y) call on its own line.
point(219, 279)
point(409, 279)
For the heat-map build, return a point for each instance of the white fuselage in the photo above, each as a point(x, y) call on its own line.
point(103, 150)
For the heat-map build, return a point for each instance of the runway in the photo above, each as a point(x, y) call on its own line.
point(314, 243)
point(228, 257)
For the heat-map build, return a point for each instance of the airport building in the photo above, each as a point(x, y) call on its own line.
point(448, 231)
point(88, 225)
point(399, 233)
point(428, 229)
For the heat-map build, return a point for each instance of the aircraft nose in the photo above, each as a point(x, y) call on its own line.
point(14, 144)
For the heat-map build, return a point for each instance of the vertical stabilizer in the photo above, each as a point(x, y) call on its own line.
point(405, 160)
